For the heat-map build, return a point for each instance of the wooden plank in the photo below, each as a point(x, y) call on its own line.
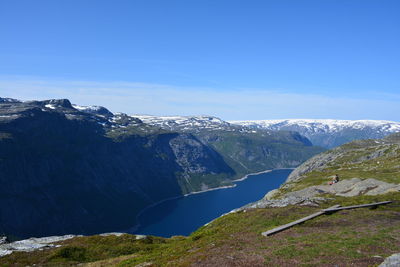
point(286, 226)
point(357, 206)
point(324, 211)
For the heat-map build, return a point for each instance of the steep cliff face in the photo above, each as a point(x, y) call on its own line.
point(257, 151)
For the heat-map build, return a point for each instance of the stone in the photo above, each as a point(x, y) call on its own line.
point(112, 233)
point(3, 240)
point(348, 188)
point(32, 244)
point(392, 261)
point(310, 195)
point(271, 194)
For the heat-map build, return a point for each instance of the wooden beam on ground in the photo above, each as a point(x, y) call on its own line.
point(286, 226)
point(358, 206)
point(324, 211)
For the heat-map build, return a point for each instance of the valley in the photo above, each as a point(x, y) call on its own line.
point(361, 237)
point(64, 168)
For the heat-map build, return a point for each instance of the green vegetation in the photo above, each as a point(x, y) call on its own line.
point(243, 152)
point(351, 237)
point(120, 134)
point(360, 159)
point(254, 152)
point(84, 249)
point(359, 237)
point(204, 181)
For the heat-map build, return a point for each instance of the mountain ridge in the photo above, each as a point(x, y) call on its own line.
point(328, 133)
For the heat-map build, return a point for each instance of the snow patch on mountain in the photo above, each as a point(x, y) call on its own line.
point(97, 110)
point(328, 132)
point(9, 100)
point(50, 106)
point(86, 108)
point(188, 123)
point(322, 125)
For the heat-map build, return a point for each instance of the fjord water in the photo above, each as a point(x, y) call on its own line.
point(182, 216)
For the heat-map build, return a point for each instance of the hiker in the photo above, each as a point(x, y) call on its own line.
point(335, 179)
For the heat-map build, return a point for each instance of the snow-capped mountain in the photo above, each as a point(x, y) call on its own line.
point(8, 100)
point(328, 133)
point(190, 123)
point(93, 109)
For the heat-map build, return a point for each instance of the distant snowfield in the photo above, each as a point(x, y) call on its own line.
point(329, 125)
point(87, 108)
point(328, 133)
point(184, 122)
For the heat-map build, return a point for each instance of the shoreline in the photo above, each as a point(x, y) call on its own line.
point(229, 186)
point(135, 227)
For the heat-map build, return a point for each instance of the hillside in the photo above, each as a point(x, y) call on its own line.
point(377, 159)
point(328, 133)
point(78, 163)
point(245, 149)
point(360, 237)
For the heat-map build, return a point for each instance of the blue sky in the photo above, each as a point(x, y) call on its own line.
point(233, 59)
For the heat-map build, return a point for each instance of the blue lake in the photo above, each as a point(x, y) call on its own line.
point(182, 216)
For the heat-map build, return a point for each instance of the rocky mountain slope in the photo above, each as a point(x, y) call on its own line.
point(328, 133)
point(244, 149)
point(364, 167)
point(366, 158)
point(71, 169)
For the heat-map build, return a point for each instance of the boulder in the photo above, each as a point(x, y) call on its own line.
point(310, 195)
point(348, 188)
point(392, 261)
point(3, 240)
point(32, 244)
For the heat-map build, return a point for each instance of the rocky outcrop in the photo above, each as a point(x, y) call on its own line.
point(3, 240)
point(283, 202)
point(348, 188)
point(196, 158)
point(355, 152)
point(311, 195)
point(391, 261)
point(317, 162)
point(363, 156)
point(32, 244)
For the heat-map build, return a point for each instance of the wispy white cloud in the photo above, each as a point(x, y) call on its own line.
point(159, 99)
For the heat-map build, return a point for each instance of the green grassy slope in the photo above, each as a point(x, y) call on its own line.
point(378, 159)
point(360, 237)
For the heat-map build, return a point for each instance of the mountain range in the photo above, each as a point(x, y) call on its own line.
point(66, 168)
point(328, 133)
